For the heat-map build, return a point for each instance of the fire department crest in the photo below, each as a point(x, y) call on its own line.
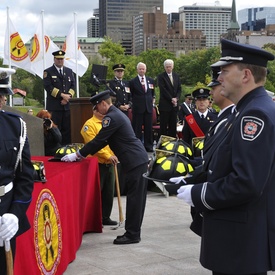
point(47, 233)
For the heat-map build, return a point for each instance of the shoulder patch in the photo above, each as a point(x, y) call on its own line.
point(85, 129)
point(45, 74)
point(106, 121)
point(251, 127)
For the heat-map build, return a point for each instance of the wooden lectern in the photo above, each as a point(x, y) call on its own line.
point(81, 110)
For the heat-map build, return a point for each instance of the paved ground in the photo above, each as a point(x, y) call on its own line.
point(168, 247)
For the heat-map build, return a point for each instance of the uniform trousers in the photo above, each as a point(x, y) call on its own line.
point(107, 186)
point(63, 121)
point(136, 199)
point(3, 268)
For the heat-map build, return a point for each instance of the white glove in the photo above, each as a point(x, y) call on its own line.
point(184, 193)
point(177, 180)
point(9, 226)
point(70, 157)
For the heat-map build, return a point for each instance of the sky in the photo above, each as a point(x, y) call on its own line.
point(59, 15)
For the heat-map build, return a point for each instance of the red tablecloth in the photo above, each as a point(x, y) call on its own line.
point(62, 209)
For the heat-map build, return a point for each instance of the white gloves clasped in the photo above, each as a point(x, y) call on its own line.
point(177, 180)
point(184, 193)
point(8, 226)
point(70, 157)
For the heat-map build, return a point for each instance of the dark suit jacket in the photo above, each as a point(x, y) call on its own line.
point(142, 101)
point(65, 84)
point(168, 91)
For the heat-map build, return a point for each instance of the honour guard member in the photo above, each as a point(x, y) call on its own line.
point(59, 82)
point(237, 197)
point(123, 98)
point(16, 174)
point(200, 122)
point(118, 133)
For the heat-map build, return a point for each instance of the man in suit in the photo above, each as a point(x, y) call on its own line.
point(203, 117)
point(59, 82)
point(123, 98)
point(170, 91)
point(186, 108)
point(143, 97)
point(237, 198)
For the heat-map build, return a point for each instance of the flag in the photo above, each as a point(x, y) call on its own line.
point(42, 59)
point(74, 59)
point(15, 51)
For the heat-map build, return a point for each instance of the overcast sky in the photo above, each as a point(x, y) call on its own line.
point(59, 14)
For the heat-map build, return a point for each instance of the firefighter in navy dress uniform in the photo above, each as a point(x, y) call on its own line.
point(201, 97)
point(123, 98)
point(118, 133)
point(16, 174)
point(237, 199)
point(59, 82)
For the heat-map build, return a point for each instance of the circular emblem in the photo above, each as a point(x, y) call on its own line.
point(47, 233)
point(18, 50)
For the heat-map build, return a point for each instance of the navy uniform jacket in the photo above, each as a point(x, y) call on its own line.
point(142, 101)
point(55, 84)
point(168, 91)
point(123, 94)
point(237, 201)
point(117, 131)
point(204, 125)
point(18, 199)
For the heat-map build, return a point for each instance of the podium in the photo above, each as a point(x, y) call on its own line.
point(81, 110)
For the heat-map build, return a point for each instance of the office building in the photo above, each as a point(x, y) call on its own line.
point(256, 19)
point(145, 24)
point(116, 17)
point(93, 25)
point(211, 20)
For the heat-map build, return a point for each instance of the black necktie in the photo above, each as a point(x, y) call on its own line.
point(202, 116)
point(60, 71)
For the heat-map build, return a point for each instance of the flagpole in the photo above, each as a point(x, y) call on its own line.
point(76, 57)
point(43, 53)
point(9, 52)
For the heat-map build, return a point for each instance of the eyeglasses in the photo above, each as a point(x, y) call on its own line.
point(119, 71)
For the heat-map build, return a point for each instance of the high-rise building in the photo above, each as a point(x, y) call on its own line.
point(211, 20)
point(145, 24)
point(256, 19)
point(116, 17)
point(93, 25)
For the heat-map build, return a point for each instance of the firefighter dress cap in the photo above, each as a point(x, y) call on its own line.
point(201, 93)
point(243, 53)
point(5, 88)
point(59, 54)
point(99, 97)
point(119, 67)
point(215, 75)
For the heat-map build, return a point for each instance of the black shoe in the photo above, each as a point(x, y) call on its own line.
point(125, 240)
point(149, 150)
point(109, 222)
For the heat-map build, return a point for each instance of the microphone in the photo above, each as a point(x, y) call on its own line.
point(96, 80)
